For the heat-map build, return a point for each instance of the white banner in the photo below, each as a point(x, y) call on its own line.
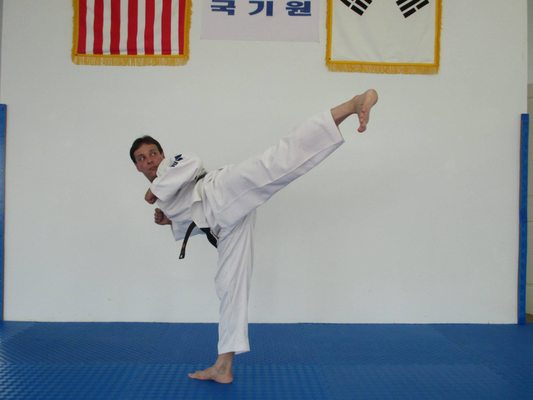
point(393, 36)
point(263, 20)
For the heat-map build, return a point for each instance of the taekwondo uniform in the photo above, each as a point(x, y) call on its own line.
point(225, 200)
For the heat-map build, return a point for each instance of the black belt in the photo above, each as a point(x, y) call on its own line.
point(212, 239)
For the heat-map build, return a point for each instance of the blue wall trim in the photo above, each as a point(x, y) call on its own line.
point(522, 252)
point(3, 112)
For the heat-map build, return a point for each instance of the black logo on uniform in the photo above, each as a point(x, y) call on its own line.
point(177, 159)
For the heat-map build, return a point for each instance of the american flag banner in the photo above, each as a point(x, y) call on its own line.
point(384, 36)
point(131, 32)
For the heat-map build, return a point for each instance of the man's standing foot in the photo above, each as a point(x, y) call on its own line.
point(221, 372)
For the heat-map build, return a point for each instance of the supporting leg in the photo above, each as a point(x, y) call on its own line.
point(232, 283)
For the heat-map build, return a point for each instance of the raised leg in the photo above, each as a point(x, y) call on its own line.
point(234, 191)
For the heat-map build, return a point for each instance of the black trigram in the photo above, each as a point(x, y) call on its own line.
point(409, 7)
point(358, 6)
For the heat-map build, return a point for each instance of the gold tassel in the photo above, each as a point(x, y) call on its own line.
point(131, 60)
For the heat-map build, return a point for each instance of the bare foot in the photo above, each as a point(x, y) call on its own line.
point(360, 105)
point(363, 103)
point(221, 372)
point(213, 374)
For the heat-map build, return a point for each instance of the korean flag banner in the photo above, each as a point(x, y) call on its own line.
point(131, 32)
point(384, 36)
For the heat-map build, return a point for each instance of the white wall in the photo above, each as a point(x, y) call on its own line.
point(529, 286)
point(1, 19)
point(530, 42)
point(415, 221)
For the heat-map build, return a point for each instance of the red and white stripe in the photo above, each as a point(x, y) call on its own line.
point(131, 27)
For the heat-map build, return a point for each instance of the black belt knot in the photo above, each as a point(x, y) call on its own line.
point(212, 239)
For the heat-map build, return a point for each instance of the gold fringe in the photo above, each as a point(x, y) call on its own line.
point(383, 67)
point(75, 26)
point(131, 60)
point(438, 28)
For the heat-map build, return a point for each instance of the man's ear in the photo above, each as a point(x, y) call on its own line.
point(137, 166)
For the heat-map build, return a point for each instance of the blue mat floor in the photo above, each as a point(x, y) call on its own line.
point(288, 361)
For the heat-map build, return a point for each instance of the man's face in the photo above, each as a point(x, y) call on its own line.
point(147, 159)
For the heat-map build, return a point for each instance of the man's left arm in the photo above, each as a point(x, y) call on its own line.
point(160, 218)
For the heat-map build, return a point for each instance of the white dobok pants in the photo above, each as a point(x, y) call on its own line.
point(230, 197)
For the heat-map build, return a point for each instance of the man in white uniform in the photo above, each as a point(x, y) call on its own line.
point(222, 204)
